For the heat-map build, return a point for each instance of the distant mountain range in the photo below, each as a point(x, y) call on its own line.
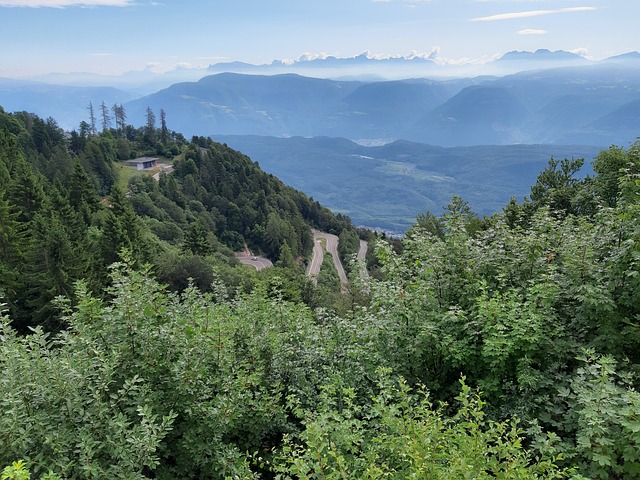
point(577, 101)
point(387, 186)
point(67, 104)
point(413, 65)
point(585, 104)
point(365, 66)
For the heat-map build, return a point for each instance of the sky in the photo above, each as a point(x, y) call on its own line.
point(114, 36)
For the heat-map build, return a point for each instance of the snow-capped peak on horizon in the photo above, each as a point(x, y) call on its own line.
point(367, 55)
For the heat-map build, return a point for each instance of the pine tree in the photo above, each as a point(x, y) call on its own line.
point(164, 131)
point(52, 263)
point(100, 155)
point(285, 257)
point(150, 128)
point(121, 230)
point(26, 192)
point(12, 246)
point(92, 119)
point(120, 116)
point(82, 194)
point(196, 240)
point(106, 119)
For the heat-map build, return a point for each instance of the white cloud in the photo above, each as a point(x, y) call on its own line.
point(65, 3)
point(308, 57)
point(531, 13)
point(583, 52)
point(531, 31)
point(432, 55)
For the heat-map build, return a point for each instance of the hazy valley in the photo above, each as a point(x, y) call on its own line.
point(387, 186)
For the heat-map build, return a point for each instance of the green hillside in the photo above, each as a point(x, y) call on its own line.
point(70, 206)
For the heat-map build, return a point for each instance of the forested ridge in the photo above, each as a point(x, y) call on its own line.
point(496, 347)
point(69, 207)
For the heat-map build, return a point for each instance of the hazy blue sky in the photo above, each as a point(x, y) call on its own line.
point(112, 36)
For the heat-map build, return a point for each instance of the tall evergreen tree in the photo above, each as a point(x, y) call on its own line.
point(92, 119)
point(285, 257)
point(82, 193)
point(106, 118)
point(164, 131)
point(120, 117)
point(52, 267)
point(150, 128)
point(12, 249)
point(121, 229)
point(196, 240)
point(26, 191)
point(100, 156)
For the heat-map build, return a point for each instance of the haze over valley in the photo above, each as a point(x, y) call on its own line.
point(388, 150)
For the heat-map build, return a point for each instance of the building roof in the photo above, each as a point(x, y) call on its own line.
point(139, 160)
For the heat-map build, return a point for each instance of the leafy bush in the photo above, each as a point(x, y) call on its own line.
point(400, 435)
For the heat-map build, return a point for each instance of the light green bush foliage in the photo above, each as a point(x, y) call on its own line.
point(399, 434)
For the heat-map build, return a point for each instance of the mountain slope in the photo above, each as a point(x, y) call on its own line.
point(545, 106)
point(480, 114)
point(232, 103)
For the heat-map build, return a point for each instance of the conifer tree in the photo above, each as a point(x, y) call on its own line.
point(106, 119)
point(164, 131)
point(285, 257)
point(26, 191)
point(150, 128)
point(51, 268)
point(120, 117)
point(92, 119)
point(121, 230)
point(196, 240)
point(82, 194)
point(12, 245)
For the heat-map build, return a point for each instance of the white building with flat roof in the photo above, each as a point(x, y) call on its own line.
point(142, 163)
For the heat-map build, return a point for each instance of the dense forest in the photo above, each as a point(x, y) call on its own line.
point(497, 347)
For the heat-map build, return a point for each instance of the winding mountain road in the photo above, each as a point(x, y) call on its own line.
point(246, 257)
point(332, 248)
point(362, 252)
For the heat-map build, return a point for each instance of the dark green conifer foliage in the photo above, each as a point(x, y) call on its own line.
point(26, 191)
point(51, 268)
point(121, 230)
point(12, 251)
point(82, 194)
point(99, 156)
point(196, 240)
point(285, 257)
